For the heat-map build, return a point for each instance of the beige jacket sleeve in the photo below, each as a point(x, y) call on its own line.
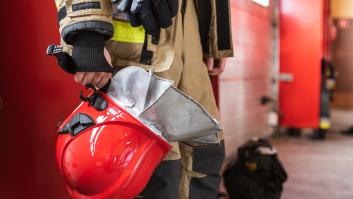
point(84, 15)
point(215, 27)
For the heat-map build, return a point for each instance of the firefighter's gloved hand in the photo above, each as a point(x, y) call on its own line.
point(88, 53)
point(91, 65)
point(88, 61)
point(151, 14)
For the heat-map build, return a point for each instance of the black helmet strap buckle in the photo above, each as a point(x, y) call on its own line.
point(95, 100)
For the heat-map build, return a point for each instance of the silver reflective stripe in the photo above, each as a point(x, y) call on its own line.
point(180, 118)
point(267, 150)
point(135, 90)
point(162, 108)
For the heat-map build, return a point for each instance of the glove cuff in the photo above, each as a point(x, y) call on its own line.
point(88, 52)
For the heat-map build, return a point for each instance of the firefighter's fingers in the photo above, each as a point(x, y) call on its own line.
point(79, 76)
point(209, 63)
point(103, 80)
point(96, 79)
point(220, 64)
point(87, 79)
point(215, 72)
point(219, 67)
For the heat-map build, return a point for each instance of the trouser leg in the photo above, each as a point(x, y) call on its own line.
point(201, 165)
point(204, 176)
point(164, 182)
point(199, 176)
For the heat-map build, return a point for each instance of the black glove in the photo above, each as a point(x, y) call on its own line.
point(151, 14)
point(88, 53)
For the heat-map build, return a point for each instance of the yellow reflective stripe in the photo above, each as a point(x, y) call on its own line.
point(124, 32)
point(251, 166)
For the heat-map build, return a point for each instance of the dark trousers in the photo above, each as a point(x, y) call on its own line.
point(195, 176)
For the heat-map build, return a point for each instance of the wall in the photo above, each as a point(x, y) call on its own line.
point(247, 75)
point(342, 52)
point(342, 8)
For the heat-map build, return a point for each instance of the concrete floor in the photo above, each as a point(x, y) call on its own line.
point(319, 169)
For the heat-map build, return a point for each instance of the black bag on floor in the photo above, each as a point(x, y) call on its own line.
point(256, 174)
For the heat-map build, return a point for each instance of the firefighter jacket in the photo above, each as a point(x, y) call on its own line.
point(131, 45)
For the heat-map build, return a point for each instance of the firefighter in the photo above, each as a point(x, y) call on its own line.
point(327, 86)
point(180, 40)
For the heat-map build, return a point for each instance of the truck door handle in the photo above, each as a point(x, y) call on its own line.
point(286, 77)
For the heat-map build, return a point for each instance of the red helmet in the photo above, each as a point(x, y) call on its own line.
point(102, 149)
point(110, 145)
